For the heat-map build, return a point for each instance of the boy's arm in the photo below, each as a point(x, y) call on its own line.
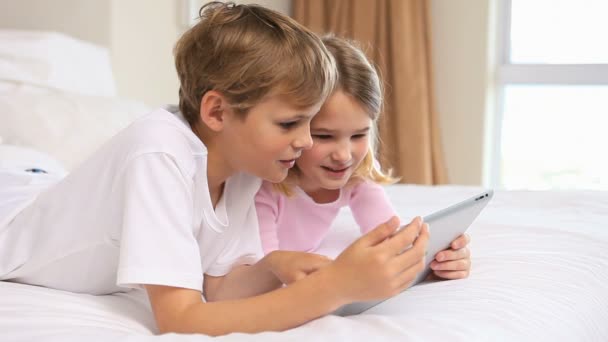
point(243, 281)
point(271, 272)
point(373, 267)
point(182, 311)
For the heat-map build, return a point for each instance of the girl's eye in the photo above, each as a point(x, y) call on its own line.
point(321, 136)
point(288, 125)
point(358, 136)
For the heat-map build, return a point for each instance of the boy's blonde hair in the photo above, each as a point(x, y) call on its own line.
point(357, 78)
point(248, 52)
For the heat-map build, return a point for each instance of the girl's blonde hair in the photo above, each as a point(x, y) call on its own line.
point(248, 52)
point(357, 78)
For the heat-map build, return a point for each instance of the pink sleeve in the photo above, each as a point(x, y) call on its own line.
point(370, 205)
point(267, 208)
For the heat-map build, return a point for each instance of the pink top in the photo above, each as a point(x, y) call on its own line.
point(298, 223)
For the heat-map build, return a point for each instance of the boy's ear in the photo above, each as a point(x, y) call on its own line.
point(213, 110)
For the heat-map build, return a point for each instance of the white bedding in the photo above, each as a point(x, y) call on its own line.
point(66, 125)
point(58, 95)
point(540, 272)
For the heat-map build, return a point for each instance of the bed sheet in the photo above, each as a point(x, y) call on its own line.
point(540, 272)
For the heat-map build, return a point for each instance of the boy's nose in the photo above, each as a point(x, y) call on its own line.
point(303, 142)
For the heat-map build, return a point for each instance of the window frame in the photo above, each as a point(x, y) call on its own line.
point(509, 73)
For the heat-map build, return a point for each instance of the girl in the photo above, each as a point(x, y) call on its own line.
point(167, 205)
point(340, 171)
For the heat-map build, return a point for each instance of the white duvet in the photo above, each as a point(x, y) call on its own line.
point(540, 272)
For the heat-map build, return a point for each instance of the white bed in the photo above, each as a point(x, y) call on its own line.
point(540, 259)
point(540, 272)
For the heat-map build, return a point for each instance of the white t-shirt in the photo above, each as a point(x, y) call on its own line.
point(137, 212)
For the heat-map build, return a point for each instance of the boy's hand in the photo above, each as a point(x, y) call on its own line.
point(376, 266)
point(453, 262)
point(290, 266)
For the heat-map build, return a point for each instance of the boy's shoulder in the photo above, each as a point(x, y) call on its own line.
point(162, 131)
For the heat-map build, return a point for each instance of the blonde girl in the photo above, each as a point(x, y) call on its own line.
point(340, 170)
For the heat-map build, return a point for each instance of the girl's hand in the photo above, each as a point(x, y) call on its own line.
point(381, 263)
point(454, 262)
point(290, 266)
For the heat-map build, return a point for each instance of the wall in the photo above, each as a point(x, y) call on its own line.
point(462, 63)
point(83, 19)
point(141, 35)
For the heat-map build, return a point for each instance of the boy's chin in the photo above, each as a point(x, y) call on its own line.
point(275, 177)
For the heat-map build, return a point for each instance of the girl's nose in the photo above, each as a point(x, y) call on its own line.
point(342, 153)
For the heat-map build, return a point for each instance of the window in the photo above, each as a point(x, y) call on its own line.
point(552, 126)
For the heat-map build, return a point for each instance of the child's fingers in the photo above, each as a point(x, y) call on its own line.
point(450, 254)
point(461, 242)
point(406, 278)
point(404, 238)
point(297, 276)
point(453, 265)
point(452, 274)
point(415, 254)
point(381, 232)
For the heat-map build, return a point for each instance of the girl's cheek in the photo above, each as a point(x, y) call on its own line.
point(362, 148)
point(318, 154)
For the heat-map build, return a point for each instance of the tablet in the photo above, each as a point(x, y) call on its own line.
point(444, 226)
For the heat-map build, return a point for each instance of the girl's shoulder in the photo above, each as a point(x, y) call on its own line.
point(269, 197)
point(360, 186)
point(268, 190)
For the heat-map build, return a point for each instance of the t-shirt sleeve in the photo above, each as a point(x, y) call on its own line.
point(370, 205)
point(157, 244)
point(267, 207)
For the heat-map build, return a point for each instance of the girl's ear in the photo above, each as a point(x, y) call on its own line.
point(213, 110)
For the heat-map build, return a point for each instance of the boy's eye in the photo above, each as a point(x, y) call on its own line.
point(321, 136)
point(288, 125)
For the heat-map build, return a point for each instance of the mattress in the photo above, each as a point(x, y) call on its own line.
point(539, 272)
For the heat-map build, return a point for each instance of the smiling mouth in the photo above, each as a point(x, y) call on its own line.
point(335, 170)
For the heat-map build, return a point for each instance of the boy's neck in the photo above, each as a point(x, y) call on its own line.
point(217, 174)
point(215, 194)
point(218, 169)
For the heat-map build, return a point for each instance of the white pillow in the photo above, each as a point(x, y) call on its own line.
point(67, 126)
point(24, 158)
point(54, 60)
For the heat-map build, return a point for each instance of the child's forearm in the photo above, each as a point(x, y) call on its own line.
point(246, 281)
point(288, 307)
point(372, 267)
